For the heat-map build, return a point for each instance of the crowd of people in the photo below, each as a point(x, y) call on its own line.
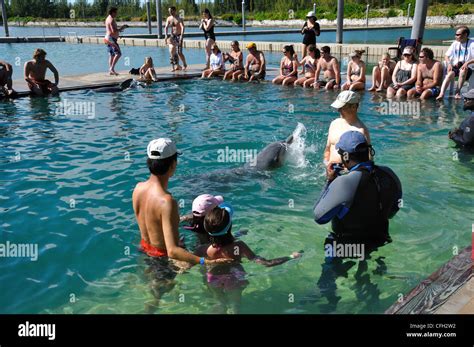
point(416, 75)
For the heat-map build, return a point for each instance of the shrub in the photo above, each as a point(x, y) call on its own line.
point(392, 13)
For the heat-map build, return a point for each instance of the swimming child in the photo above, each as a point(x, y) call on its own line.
point(227, 281)
point(147, 71)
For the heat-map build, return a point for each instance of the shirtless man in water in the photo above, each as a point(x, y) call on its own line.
point(346, 103)
point(155, 209)
point(111, 36)
point(158, 218)
point(255, 65)
point(429, 76)
point(35, 74)
point(331, 71)
point(175, 39)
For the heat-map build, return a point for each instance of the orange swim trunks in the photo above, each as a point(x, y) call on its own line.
point(152, 251)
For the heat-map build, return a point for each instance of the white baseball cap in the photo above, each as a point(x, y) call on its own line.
point(161, 148)
point(346, 97)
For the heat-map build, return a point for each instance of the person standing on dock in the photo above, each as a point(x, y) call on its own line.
point(310, 30)
point(6, 83)
point(175, 39)
point(207, 25)
point(111, 36)
point(35, 75)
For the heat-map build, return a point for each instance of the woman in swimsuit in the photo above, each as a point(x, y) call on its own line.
point(310, 30)
point(288, 67)
point(236, 58)
point(404, 74)
point(382, 73)
point(217, 65)
point(355, 72)
point(207, 25)
point(227, 281)
point(309, 67)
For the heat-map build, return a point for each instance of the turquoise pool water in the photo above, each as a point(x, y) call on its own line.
point(66, 184)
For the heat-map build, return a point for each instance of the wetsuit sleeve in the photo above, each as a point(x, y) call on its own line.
point(464, 135)
point(336, 198)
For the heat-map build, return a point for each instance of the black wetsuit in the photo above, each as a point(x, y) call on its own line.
point(360, 204)
point(464, 135)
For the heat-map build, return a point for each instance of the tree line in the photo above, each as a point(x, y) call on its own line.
point(230, 9)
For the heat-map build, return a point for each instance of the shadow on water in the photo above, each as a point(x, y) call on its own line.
point(333, 268)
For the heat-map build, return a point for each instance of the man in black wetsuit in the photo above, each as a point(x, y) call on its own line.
point(464, 135)
point(360, 203)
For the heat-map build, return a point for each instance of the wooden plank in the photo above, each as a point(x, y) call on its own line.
point(102, 79)
point(434, 291)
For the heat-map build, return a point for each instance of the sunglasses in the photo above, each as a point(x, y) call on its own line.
point(458, 34)
point(421, 56)
point(407, 55)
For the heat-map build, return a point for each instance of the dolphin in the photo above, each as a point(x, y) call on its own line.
point(118, 88)
point(272, 156)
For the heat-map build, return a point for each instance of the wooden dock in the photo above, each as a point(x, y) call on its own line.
point(103, 79)
point(449, 290)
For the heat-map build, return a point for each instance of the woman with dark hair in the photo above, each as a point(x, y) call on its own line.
point(309, 64)
point(288, 67)
point(207, 25)
point(310, 30)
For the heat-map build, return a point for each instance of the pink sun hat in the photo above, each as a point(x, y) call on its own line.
point(206, 202)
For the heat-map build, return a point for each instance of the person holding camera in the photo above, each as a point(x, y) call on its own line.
point(360, 202)
point(347, 104)
point(460, 52)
